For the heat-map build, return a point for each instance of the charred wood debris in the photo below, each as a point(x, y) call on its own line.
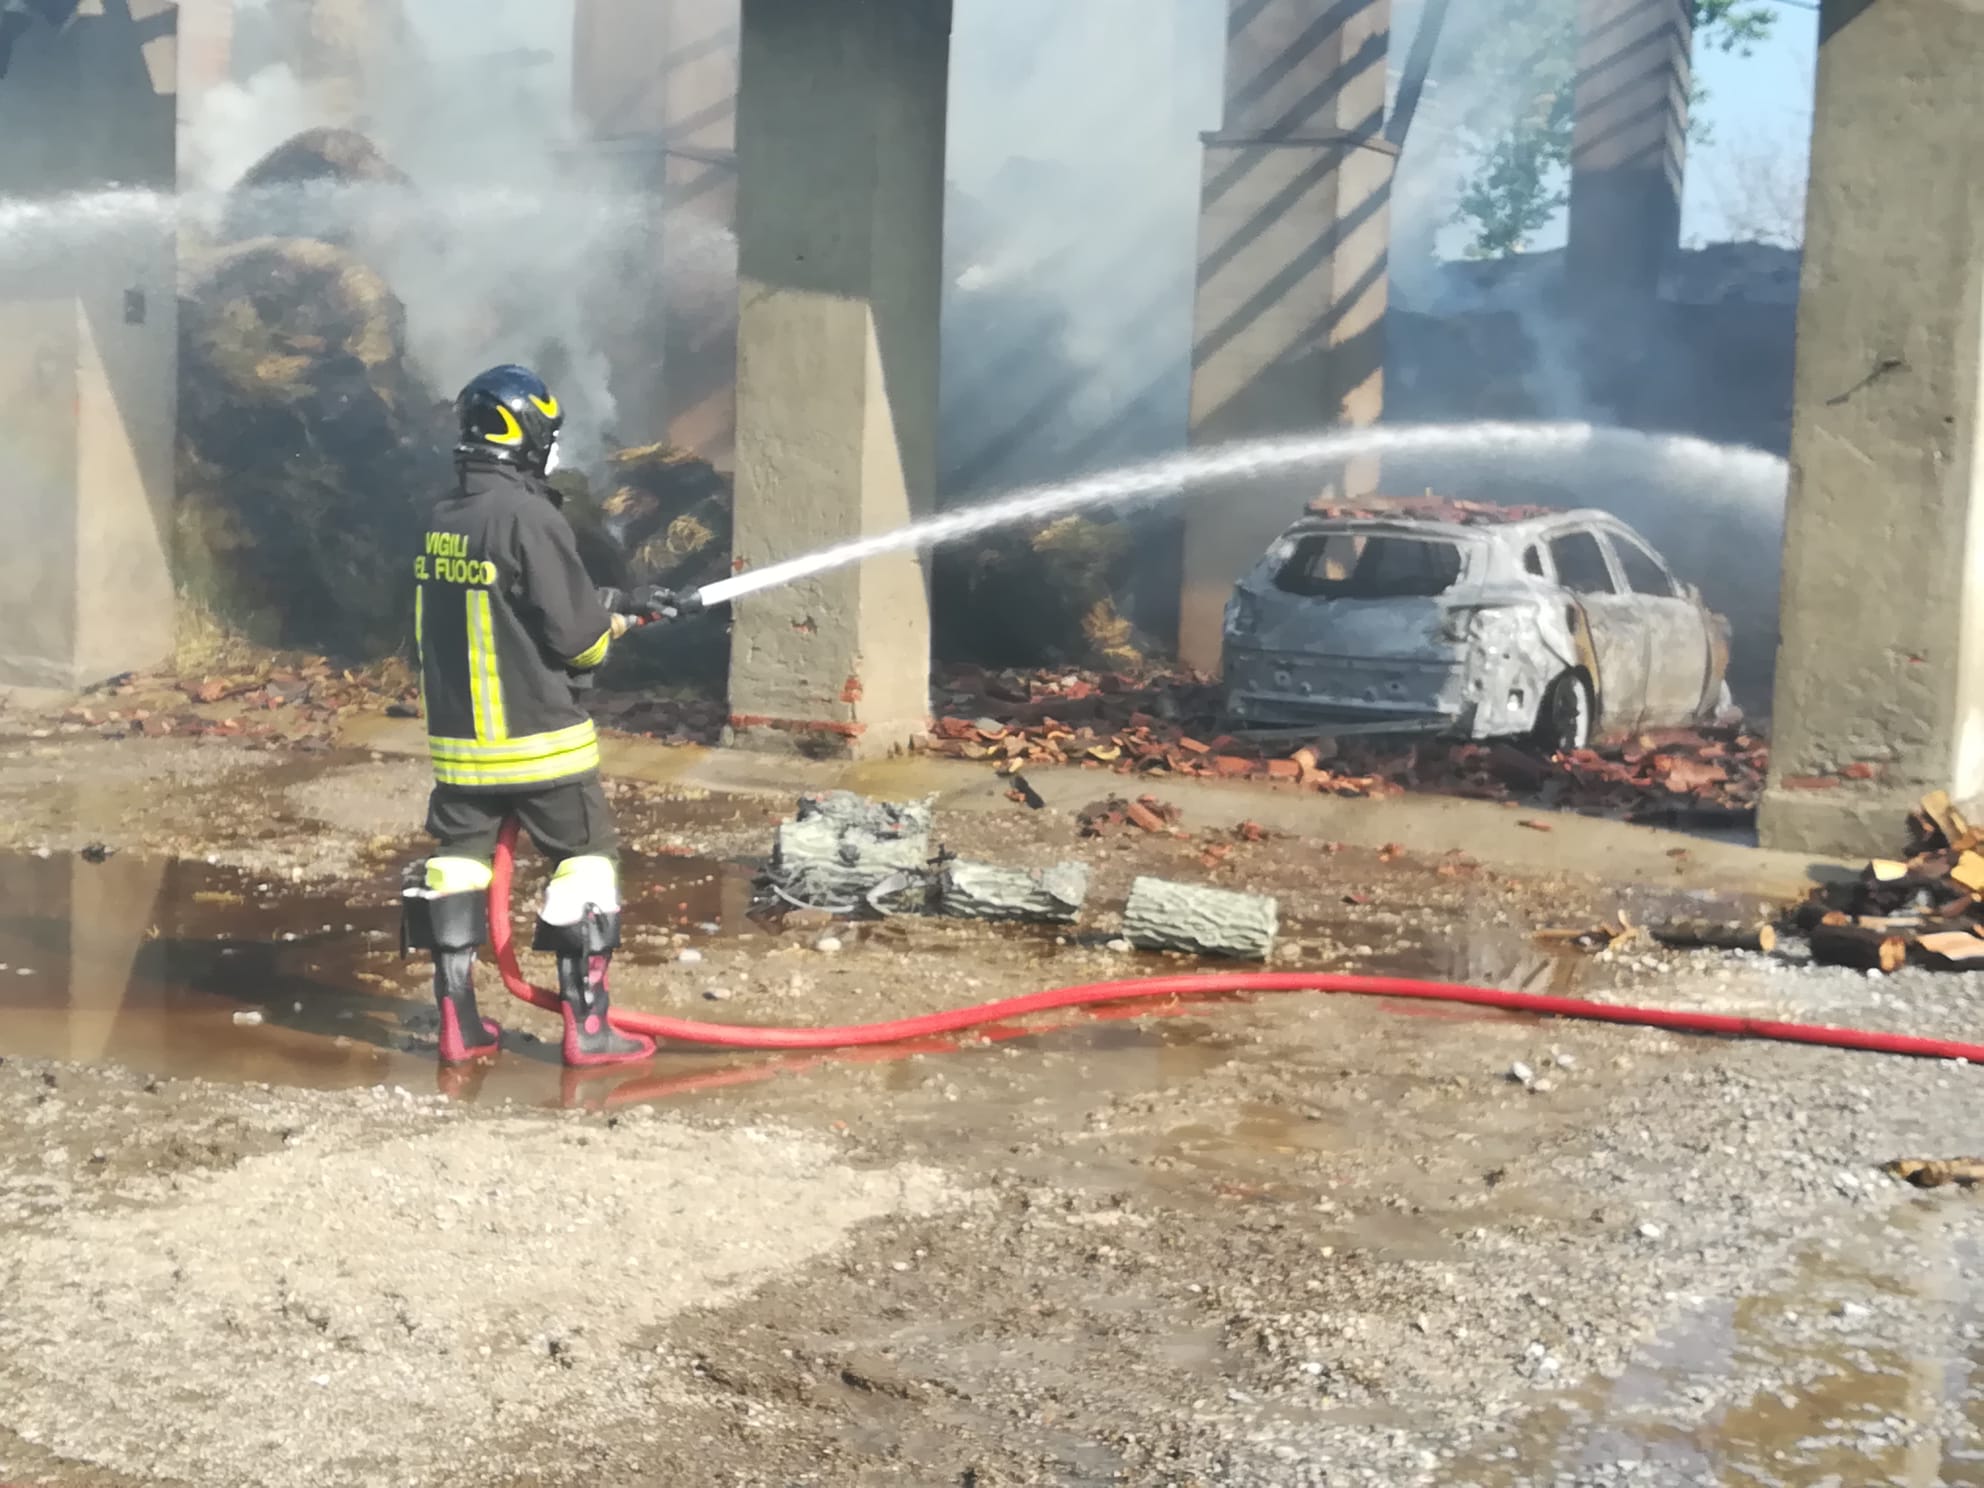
point(1167, 725)
point(1924, 908)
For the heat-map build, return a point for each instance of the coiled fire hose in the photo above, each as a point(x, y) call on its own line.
point(899, 1030)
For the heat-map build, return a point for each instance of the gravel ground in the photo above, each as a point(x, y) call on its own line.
point(1301, 1240)
point(448, 1303)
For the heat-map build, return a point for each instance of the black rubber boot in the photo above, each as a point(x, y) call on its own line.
point(465, 1033)
point(585, 952)
point(452, 928)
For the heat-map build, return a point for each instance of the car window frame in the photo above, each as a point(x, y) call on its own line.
point(1605, 556)
point(1618, 541)
point(1458, 542)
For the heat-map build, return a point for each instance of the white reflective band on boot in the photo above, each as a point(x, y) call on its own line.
point(577, 883)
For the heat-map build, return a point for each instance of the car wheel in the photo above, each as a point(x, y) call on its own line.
point(1564, 722)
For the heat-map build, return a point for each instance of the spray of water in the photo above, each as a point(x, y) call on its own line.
point(58, 228)
point(1677, 462)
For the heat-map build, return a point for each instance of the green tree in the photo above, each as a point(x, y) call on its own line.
point(1519, 75)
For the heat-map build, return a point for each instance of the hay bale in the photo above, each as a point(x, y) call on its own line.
point(602, 556)
point(671, 512)
point(323, 184)
point(1046, 596)
point(308, 454)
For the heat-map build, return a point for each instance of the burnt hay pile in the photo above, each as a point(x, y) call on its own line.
point(310, 448)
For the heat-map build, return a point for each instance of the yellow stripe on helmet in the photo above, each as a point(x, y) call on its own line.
point(546, 406)
point(513, 432)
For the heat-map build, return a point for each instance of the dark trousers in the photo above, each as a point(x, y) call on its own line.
point(568, 820)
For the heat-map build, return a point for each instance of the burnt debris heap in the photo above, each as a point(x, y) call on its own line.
point(310, 443)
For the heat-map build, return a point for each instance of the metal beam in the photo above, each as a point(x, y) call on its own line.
point(1418, 62)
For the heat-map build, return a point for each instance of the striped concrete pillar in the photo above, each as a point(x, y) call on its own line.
point(206, 51)
point(1293, 231)
point(1628, 144)
point(655, 81)
point(699, 244)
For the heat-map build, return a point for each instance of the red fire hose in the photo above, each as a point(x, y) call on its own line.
point(734, 1036)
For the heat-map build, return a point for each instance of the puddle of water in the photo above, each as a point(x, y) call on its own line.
point(1825, 1413)
point(145, 963)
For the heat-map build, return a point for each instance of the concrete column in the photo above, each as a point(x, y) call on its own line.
point(88, 346)
point(699, 244)
point(1293, 233)
point(1628, 144)
point(206, 51)
point(656, 83)
point(840, 141)
point(1881, 663)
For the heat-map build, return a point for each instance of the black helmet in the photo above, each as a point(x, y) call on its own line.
point(510, 414)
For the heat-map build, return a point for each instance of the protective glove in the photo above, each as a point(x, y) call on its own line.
point(648, 603)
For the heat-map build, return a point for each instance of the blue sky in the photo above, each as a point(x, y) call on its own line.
point(1760, 115)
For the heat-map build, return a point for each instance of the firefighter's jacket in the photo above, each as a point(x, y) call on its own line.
point(506, 618)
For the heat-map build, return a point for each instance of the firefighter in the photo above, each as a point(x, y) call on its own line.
point(509, 629)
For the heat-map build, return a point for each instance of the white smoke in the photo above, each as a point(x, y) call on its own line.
point(512, 241)
point(1074, 166)
point(237, 124)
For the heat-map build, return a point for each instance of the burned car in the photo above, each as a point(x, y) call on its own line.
point(1469, 620)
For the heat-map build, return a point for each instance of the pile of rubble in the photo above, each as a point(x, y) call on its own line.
point(297, 700)
point(310, 446)
point(1926, 908)
point(1165, 725)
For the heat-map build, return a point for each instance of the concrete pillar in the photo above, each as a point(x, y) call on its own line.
point(88, 345)
point(1293, 234)
point(656, 83)
point(1881, 662)
point(1628, 144)
point(699, 244)
point(840, 212)
point(206, 51)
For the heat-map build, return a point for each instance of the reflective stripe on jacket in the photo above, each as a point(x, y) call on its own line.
point(505, 616)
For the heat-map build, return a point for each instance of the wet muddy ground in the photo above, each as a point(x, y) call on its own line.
point(248, 1235)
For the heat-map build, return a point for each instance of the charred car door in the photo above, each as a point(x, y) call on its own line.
point(1615, 622)
point(1678, 665)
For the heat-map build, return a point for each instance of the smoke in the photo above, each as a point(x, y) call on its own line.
point(1495, 67)
point(1071, 238)
point(1505, 63)
point(510, 244)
